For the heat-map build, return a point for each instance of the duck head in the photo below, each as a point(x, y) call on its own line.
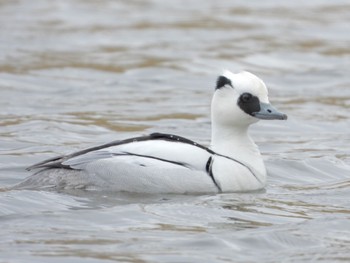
point(240, 100)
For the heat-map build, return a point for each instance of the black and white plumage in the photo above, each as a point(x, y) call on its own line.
point(165, 163)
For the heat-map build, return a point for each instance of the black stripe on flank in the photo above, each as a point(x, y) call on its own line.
point(207, 166)
point(222, 81)
point(151, 157)
point(209, 169)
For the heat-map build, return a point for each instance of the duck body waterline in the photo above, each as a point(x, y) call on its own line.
point(166, 163)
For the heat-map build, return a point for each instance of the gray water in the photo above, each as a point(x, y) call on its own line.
point(74, 74)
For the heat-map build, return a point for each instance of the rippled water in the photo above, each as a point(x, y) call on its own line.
point(78, 73)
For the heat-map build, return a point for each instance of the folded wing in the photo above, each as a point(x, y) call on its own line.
point(162, 150)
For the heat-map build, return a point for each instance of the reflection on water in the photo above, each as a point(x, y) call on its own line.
point(76, 74)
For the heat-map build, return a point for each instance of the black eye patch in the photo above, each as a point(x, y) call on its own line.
point(249, 103)
point(222, 81)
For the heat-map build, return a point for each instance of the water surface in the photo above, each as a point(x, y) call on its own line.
point(74, 74)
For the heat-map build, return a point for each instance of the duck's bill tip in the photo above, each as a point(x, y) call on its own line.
point(284, 116)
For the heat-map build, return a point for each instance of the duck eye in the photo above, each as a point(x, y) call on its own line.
point(246, 97)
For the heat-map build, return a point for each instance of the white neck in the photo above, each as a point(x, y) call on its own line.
point(236, 143)
point(227, 140)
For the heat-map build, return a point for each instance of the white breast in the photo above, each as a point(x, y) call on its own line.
point(233, 177)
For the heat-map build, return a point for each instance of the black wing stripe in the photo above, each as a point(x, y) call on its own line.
point(151, 157)
point(176, 138)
